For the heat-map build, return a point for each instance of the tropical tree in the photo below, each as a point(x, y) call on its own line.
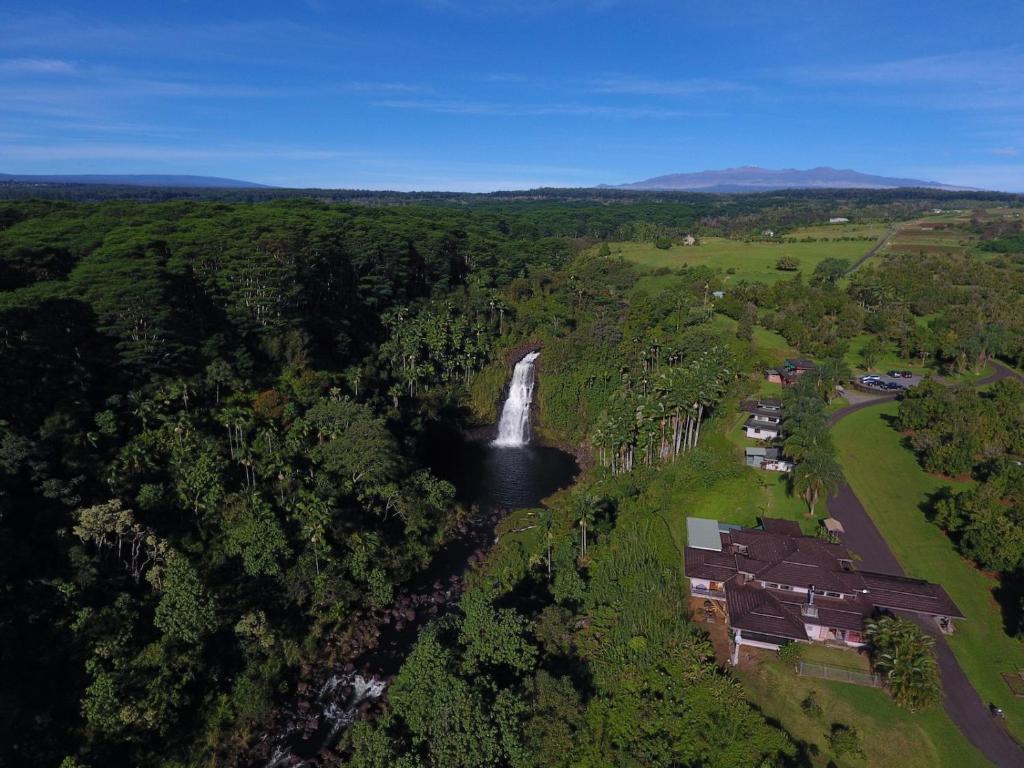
point(584, 512)
point(817, 474)
point(873, 349)
point(547, 522)
point(905, 657)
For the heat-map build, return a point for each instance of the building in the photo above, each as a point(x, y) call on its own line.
point(761, 430)
point(839, 220)
point(689, 240)
point(770, 459)
point(765, 422)
point(790, 370)
point(778, 586)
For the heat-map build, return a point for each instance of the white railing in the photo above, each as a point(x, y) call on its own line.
point(714, 594)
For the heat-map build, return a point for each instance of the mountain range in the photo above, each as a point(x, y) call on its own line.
point(753, 179)
point(132, 180)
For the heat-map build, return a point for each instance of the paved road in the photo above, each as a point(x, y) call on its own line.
point(962, 703)
point(874, 249)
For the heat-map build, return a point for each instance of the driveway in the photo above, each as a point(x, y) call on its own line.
point(961, 701)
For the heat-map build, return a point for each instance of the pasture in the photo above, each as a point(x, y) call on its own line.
point(835, 231)
point(738, 260)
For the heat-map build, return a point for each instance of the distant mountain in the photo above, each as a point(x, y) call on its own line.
point(753, 179)
point(132, 180)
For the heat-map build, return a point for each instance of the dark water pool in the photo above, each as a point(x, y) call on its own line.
point(506, 478)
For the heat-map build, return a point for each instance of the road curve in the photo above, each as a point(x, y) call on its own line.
point(962, 703)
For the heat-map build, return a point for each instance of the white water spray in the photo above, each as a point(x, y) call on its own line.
point(514, 427)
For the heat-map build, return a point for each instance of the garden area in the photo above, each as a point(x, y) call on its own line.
point(808, 707)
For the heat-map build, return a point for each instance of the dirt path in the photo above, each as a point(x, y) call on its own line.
point(962, 703)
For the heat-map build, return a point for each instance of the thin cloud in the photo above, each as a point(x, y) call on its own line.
point(974, 67)
point(628, 84)
point(534, 7)
point(1004, 151)
point(37, 67)
point(162, 152)
point(501, 109)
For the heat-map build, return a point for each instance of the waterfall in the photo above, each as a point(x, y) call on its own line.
point(514, 427)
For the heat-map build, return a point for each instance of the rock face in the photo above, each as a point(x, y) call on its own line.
point(753, 179)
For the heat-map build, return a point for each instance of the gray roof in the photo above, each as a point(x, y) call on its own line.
point(702, 533)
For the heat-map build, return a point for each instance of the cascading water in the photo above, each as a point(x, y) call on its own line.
point(514, 426)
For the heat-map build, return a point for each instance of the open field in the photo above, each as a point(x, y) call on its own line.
point(891, 737)
point(721, 488)
point(754, 261)
point(832, 231)
point(894, 489)
point(889, 359)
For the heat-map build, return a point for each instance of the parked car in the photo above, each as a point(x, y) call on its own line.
point(900, 374)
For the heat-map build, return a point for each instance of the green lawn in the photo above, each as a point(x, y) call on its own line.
point(674, 494)
point(837, 657)
point(772, 344)
point(889, 360)
point(891, 737)
point(888, 480)
point(751, 261)
point(875, 230)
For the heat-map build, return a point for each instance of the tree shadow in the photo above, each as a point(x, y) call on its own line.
point(1010, 596)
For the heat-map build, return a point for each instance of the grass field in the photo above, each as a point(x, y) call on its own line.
point(891, 737)
point(676, 493)
point(751, 261)
point(889, 360)
point(888, 480)
point(875, 230)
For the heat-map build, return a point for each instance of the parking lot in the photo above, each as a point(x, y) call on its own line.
point(883, 382)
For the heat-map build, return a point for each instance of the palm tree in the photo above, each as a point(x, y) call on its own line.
point(905, 657)
point(828, 374)
point(547, 522)
point(584, 510)
point(805, 438)
point(817, 474)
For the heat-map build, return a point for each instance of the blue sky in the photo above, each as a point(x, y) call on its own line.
point(502, 94)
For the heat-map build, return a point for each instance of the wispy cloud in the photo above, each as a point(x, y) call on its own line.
point(169, 152)
point(480, 7)
point(628, 84)
point(36, 67)
point(508, 109)
point(977, 67)
point(1004, 151)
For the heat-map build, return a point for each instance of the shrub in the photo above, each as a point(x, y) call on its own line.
point(788, 264)
point(845, 740)
point(663, 243)
point(791, 653)
point(810, 706)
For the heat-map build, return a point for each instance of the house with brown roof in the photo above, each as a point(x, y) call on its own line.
point(779, 586)
point(790, 371)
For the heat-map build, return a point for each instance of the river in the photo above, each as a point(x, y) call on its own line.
point(494, 470)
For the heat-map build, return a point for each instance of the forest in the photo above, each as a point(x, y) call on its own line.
point(217, 425)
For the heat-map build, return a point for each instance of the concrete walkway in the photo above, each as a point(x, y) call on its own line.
point(961, 701)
